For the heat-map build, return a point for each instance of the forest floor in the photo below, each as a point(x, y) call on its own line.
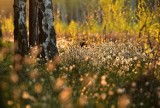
point(106, 75)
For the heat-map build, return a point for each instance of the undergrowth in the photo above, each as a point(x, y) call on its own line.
point(111, 74)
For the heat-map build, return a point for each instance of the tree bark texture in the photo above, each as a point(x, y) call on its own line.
point(0, 31)
point(20, 32)
point(47, 36)
point(33, 23)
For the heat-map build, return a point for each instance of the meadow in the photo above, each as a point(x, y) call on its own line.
point(115, 64)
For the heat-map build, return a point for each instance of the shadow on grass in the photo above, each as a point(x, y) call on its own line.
point(145, 92)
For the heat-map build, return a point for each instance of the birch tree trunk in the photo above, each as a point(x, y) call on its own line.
point(33, 23)
point(20, 32)
point(47, 37)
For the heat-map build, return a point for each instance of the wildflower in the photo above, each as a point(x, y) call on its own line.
point(65, 95)
point(120, 90)
point(14, 77)
point(135, 58)
point(103, 96)
point(38, 88)
point(9, 102)
point(28, 106)
point(123, 101)
point(103, 83)
point(59, 84)
point(34, 74)
point(25, 95)
point(50, 67)
point(158, 62)
point(110, 92)
point(133, 84)
point(83, 100)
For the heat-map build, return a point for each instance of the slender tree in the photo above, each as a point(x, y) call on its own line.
point(41, 29)
point(20, 32)
point(0, 30)
point(47, 36)
point(33, 23)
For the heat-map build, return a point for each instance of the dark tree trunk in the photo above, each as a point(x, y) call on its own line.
point(33, 23)
point(0, 31)
point(41, 27)
point(20, 32)
point(47, 37)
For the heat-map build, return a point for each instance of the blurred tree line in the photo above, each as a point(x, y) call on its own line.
point(76, 10)
point(109, 16)
point(79, 10)
point(105, 17)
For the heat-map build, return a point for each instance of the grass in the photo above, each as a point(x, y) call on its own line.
point(106, 75)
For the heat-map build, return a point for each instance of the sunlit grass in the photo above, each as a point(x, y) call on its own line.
point(104, 75)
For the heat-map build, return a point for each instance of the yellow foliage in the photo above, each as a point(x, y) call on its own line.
point(60, 28)
point(115, 18)
point(72, 28)
point(7, 26)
